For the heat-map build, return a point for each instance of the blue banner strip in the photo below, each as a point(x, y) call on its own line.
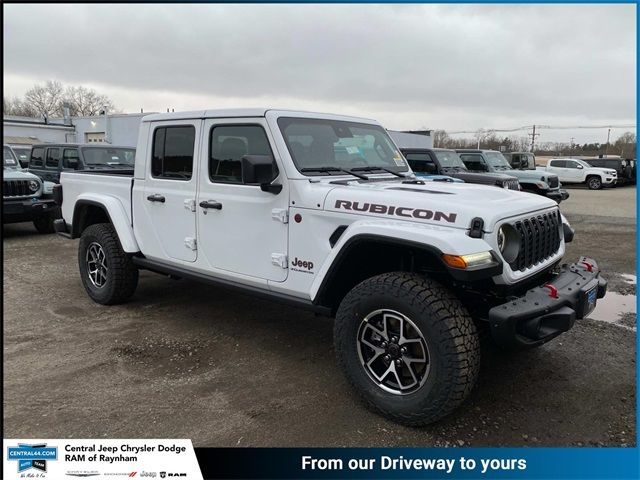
point(496, 463)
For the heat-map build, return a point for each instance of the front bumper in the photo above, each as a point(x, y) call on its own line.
point(558, 195)
point(547, 311)
point(25, 210)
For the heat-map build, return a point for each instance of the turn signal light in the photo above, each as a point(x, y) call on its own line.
point(468, 261)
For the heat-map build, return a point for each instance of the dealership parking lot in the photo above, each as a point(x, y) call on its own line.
point(185, 360)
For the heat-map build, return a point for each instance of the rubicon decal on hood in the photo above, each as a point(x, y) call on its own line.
point(407, 212)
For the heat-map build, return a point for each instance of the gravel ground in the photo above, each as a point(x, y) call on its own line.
point(183, 360)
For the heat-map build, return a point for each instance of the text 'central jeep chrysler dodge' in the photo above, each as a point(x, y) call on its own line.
point(323, 212)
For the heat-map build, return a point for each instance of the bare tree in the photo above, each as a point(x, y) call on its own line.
point(441, 139)
point(86, 101)
point(16, 106)
point(46, 100)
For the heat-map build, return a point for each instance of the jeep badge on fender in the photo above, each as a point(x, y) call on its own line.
point(411, 270)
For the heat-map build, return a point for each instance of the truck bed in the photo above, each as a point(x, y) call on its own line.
point(86, 185)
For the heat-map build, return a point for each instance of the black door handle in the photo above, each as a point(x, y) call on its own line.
point(156, 198)
point(211, 204)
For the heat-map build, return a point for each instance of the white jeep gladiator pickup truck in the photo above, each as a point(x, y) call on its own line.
point(323, 212)
point(574, 170)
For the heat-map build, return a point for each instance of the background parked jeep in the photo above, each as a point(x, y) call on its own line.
point(527, 161)
point(532, 181)
point(48, 161)
point(429, 161)
point(25, 197)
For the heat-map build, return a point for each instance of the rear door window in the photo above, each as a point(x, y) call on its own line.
point(420, 162)
point(172, 155)
point(37, 157)
point(53, 158)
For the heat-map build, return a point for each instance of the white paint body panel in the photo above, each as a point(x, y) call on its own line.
point(239, 242)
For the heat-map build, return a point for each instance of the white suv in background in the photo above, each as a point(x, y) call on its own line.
point(574, 170)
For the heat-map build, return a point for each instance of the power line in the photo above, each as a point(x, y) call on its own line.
point(546, 127)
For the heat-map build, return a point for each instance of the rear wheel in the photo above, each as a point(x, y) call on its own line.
point(594, 183)
point(407, 346)
point(107, 272)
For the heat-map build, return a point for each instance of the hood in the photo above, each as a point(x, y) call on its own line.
point(530, 175)
point(607, 171)
point(435, 203)
point(19, 175)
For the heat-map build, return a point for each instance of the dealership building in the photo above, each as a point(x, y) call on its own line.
point(116, 129)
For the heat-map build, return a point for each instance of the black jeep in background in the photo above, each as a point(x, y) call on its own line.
point(440, 161)
point(626, 167)
point(48, 161)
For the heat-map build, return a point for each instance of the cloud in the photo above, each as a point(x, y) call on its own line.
point(442, 66)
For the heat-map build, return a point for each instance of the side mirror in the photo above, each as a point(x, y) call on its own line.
point(580, 167)
point(260, 170)
point(431, 168)
point(72, 164)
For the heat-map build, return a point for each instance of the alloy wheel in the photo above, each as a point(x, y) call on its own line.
point(393, 352)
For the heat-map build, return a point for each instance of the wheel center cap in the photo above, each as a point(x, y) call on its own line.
point(393, 350)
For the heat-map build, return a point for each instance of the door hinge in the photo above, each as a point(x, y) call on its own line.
point(190, 205)
point(280, 214)
point(191, 243)
point(279, 260)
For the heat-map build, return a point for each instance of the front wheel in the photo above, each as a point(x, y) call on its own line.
point(107, 272)
point(44, 223)
point(407, 346)
point(594, 183)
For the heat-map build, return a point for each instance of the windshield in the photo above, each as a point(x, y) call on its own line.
point(497, 160)
point(332, 144)
point(449, 159)
point(10, 161)
point(109, 156)
point(22, 154)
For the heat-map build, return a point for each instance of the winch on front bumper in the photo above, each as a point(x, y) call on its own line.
point(546, 311)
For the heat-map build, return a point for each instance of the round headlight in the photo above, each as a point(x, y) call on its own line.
point(34, 186)
point(508, 242)
point(502, 239)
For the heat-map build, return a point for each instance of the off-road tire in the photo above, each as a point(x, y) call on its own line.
point(122, 275)
point(594, 182)
point(44, 223)
point(454, 346)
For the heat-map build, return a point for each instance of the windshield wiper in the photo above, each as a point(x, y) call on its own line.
point(371, 169)
point(333, 169)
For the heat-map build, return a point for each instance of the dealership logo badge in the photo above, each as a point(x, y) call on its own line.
point(32, 456)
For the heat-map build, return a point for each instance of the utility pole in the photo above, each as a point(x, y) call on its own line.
point(533, 136)
point(606, 148)
point(572, 144)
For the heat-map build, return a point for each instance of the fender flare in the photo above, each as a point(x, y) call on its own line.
point(117, 216)
point(427, 238)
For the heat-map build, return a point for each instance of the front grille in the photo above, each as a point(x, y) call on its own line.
point(553, 182)
point(511, 184)
point(16, 188)
point(539, 239)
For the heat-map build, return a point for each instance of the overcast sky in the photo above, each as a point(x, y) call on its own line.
point(456, 67)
